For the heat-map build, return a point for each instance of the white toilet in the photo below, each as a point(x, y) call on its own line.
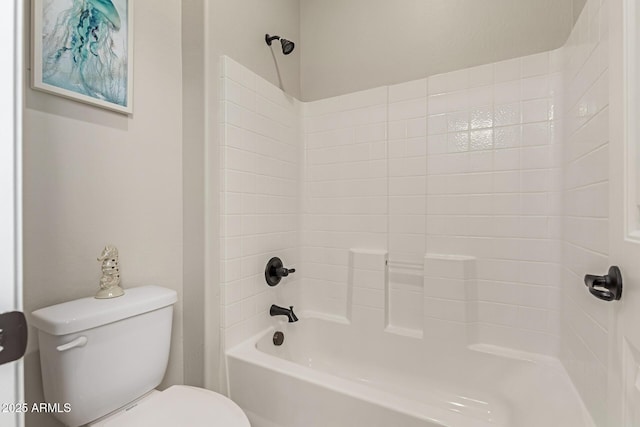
point(104, 357)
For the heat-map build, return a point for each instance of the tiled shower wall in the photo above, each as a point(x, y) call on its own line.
point(464, 164)
point(585, 320)
point(260, 171)
point(493, 183)
point(471, 165)
point(345, 196)
point(490, 173)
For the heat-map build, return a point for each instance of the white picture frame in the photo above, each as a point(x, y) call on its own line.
point(83, 50)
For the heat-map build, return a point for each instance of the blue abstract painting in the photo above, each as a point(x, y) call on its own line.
point(85, 49)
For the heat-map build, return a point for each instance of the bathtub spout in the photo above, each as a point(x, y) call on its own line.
point(281, 311)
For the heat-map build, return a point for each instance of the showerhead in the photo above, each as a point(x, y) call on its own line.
point(287, 45)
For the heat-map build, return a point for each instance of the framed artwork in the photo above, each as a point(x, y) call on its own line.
point(83, 50)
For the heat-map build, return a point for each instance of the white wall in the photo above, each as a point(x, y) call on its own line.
point(237, 29)
point(159, 174)
point(93, 177)
point(586, 320)
point(201, 315)
point(347, 46)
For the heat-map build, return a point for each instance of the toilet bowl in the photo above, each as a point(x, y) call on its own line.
point(178, 405)
point(103, 358)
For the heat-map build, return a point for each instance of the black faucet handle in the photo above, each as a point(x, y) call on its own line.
point(607, 287)
point(284, 272)
point(275, 271)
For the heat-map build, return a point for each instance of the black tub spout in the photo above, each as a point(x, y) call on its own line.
point(281, 311)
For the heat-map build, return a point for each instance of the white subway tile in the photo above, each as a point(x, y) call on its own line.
point(398, 129)
point(458, 142)
point(444, 309)
point(481, 117)
point(232, 314)
point(508, 159)
point(481, 161)
point(507, 93)
point(500, 314)
point(437, 124)
point(458, 101)
point(535, 111)
point(408, 109)
point(409, 90)
point(457, 80)
point(534, 180)
point(480, 96)
point(481, 139)
point(536, 157)
point(416, 147)
point(534, 65)
point(437, 84)
point(441, 287)
point(437, 144)
point(417, 127)
point(438, 104)
point(481, 75)
point(507, 114)
point(368, 297)
point(457, 122)
point(508, 136)
point(535, 134)
point(535, 87)
point(505, 71)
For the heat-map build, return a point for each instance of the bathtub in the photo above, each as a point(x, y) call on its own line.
point(330, 374)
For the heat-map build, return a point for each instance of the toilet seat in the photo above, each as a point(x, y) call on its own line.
point(181, 406)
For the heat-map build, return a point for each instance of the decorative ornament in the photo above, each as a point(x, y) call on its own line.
point(110, 280)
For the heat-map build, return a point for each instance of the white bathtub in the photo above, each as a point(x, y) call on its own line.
point(328, 374)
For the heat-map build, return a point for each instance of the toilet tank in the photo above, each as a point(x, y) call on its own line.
point(97, 355)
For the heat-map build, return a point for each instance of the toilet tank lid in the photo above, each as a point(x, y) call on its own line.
point(86, 313)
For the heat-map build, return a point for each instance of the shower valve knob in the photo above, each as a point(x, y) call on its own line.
point(284, 272)
point(275, 271)
point(607, 287)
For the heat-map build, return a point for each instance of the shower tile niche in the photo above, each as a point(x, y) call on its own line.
point(367, 288)
point(405, 304)
point(450, 298)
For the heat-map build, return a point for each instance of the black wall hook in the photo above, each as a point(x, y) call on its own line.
point(608, 287)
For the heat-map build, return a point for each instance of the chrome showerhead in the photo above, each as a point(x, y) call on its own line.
point(287, 45)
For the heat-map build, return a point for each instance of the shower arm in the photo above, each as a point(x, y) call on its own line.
point(269, 39)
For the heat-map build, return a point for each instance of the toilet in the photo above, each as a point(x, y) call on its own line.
point(101, 360)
